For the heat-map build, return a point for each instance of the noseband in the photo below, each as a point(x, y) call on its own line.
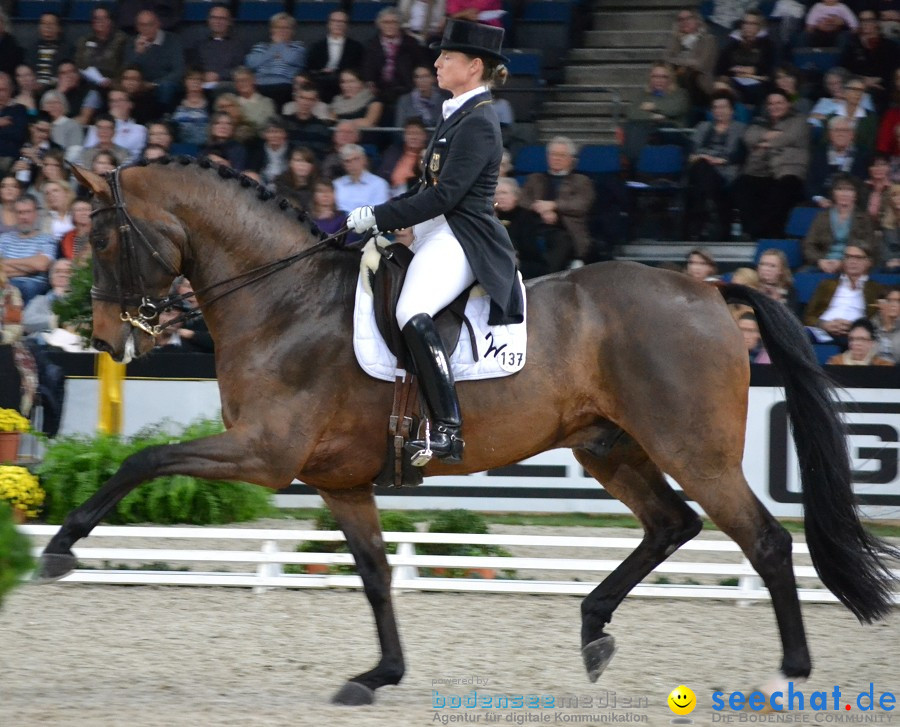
point(131, 280)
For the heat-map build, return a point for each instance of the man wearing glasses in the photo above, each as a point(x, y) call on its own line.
point(217, 55)
point(887, 324)
point(692, 52)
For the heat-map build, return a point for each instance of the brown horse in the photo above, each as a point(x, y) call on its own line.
point(639, 371)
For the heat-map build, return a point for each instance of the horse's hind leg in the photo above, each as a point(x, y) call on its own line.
point(224, 456)
point(357, 515)
point(731, 504)
point(628, 474)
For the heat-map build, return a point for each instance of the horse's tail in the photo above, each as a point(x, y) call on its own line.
point(850, 561)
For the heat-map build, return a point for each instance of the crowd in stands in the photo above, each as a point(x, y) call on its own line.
point(338, 123)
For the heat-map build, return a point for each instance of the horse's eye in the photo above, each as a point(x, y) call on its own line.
point(98, 240)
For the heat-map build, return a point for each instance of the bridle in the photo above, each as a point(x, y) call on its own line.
point(132, 289)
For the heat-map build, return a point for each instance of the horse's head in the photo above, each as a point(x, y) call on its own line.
point(137, 253)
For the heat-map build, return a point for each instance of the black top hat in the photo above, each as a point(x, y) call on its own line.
point(474, 39)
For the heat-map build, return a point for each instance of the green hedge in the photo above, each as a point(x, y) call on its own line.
point(15, 552)
point(75, 467)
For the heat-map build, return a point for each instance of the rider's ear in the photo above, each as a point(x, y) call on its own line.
point(92, 181)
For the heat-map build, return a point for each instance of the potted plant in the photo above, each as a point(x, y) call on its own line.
point(461, 521)
point(15, 552)
point(21, 491)
point(12, 426)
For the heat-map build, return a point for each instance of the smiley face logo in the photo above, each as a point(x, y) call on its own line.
point(682, 700)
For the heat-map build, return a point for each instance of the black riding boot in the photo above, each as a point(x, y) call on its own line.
point(436, 382)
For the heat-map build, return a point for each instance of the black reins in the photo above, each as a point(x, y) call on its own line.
point(149, 308)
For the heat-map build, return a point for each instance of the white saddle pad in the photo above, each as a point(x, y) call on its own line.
point(501, 349)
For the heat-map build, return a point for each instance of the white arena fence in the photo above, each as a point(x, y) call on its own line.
point(270, 561)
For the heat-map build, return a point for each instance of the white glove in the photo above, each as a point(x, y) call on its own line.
point(362, 219)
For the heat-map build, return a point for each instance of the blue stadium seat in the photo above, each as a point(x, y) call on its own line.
point(806, 283)
point(886, 278)
point(80, 10)
point(800, 220)
point(196, 12)
point(599, 159)
point(825, 351)
point(531, 159)
point(256, 11)
point(179, 149)
point(662, 159)
point(791, 249)
point(315, 12)
point(33, 9)
point(551, 11)
point(365, 11)
point(818, 60)
point(524, 63)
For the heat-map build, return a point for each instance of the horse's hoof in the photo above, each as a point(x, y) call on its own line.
point(53, 566)
point(354, 694)
point(597, 655)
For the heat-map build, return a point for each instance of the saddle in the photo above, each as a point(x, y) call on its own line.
point(386, 282)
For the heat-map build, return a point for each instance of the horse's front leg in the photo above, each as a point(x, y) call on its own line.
point(357, 516)
point(225, 456)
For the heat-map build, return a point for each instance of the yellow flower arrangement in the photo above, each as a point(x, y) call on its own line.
point(21, 490)
point(12, 421)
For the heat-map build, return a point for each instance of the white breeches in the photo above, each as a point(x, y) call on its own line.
point(438, 273)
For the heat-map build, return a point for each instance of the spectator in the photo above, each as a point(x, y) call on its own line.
point(29, 90)
point(304, 128)
point(271, 158)
point(277, 61)
point(425, 100)
point(834, 228)
point(129, 134)
point(890, 227)
point(774, 176)
point(401, 165)
point(167, 11)
point(298, 181)
point(301, 82)
point(104, 130)
point(876, 188)
point(358, 187)
point(506, 164)
point(103, 48)
point(13, 125)
point(64, 131)
point(258, 109)
point(49, 49)
point(887, 141)
point(158, 55)
point(345, 132)
point(837, 302)
point(522, 225)
point(852, 108)
point(220, 52)
point(32, 152)
point(26, 253)
point(144, 106)
point(75, 244)
point(10, 190)
point(11, 53)
point(356, 103)
point(38, 316)
point(862, 347)
point(332, 54)
point(191, 116)
point(83, 101)
point(748, 60)
point(833, 101)
point(228, 103)
point(662, 104)
point(390, 58)
point(872, 57)
point(152, 152)
point(423, 20)
point(489, 12)
point(749, 328)
point(827, 24)
point(325, 212)
point(56, 220)
point(701, 265)
point(692, 52)
point(726, 13)
point(887, 324)
point(51, 169)
point(840, 155)
point(775, 279)
point(787, 78)
point(717, 148)
point(563, 201)
point(161, 134)
point(222, 144)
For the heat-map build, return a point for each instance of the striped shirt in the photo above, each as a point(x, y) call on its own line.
point(14, 246)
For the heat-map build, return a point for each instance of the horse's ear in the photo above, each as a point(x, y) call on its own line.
point(92, 181)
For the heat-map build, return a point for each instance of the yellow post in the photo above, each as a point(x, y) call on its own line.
point(110, 375)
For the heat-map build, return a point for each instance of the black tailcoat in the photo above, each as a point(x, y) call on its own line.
point(462, 162)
